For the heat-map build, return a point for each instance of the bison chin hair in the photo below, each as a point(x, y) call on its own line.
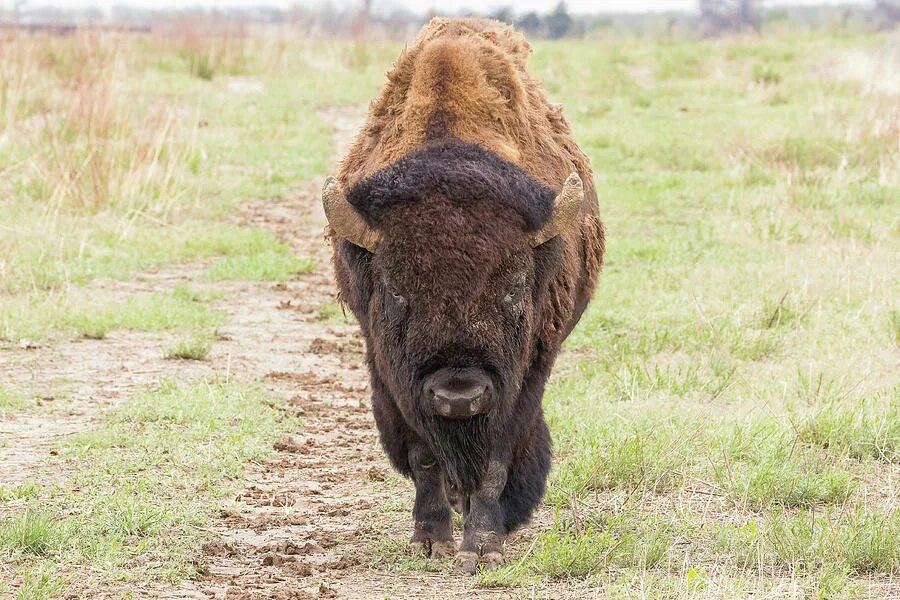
point(462, 448)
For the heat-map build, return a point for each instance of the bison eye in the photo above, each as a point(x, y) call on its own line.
point(393, 293)
point(517, 293)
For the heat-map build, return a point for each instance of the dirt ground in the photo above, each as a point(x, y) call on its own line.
point(308, 517)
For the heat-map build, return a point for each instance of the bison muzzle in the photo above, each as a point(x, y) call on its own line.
point(467, 243)
point(459, 393)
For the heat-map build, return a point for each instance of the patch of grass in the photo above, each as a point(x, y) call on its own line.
point(153, 472)
point(154, 312)
point(332, 313)
point(760, 468)
point(573, 551)
point(770, 482)
point(393, 554)
point(614, 456)
point(767, 74)
point(782, 312)
point(192, 348)
point(264, 266)
point(27, 489)
point(11, 400)
point(94, 315)
point(862, 432)
point(830, 544)
point(38, 584)
point(31, 533)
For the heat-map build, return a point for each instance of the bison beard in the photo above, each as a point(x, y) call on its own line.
point(463, 448)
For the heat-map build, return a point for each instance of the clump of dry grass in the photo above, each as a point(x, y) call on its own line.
point(84, 139)
point(210, 49)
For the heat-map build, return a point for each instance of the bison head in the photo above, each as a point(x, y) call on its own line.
point(450, 255)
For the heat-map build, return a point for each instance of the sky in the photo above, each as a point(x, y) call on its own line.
point(422, 6)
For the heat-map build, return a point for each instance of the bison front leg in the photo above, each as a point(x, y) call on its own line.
point(433, 533)
point(484, 530)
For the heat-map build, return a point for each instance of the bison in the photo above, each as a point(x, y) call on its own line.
point(467, 243)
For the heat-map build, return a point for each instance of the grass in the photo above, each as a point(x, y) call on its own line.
point(39, 585)
point(31, 534)
point(333, 314)
point(856, 544)
point(264, 266)
point(11, 400)
point(28, 489)
point(862, 432)
point(154, 472)
point(130, 152)
point(192, 348)
point(94, 314)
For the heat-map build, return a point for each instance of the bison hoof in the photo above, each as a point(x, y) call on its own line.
point(468, 562)
point(442, 549)
point(491, 560)
point(433, 549)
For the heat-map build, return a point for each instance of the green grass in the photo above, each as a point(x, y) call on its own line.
point(332, 313)
point(153, 473)
point(39, 585)
point(32, 534)
point(191, 348)
point(862, 432)
point(264, 266)
point(857, 543)
point(93, 314)
point(588, 547)
point(28, 489)
point(11, 400)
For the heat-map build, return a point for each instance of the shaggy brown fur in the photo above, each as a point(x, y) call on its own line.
point(460, 160)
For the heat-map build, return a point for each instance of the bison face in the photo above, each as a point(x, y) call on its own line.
point(451, 311)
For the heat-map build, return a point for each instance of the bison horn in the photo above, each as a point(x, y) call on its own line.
point(566, 207)
point(343, 219)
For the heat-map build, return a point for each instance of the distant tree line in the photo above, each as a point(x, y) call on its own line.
point(711, 18)
point(554, 25)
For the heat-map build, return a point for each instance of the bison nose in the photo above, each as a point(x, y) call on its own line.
point(458, 394)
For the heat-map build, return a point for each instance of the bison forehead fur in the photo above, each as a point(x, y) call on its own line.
point(460, 159)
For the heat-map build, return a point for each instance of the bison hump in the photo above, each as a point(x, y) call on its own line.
point(466, 79)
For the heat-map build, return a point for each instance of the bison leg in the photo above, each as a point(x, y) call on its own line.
point(484, 530)
point(433, 533)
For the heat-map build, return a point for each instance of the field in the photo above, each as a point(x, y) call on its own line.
point(183, 404)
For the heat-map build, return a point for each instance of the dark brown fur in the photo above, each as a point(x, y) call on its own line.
point(461, 157)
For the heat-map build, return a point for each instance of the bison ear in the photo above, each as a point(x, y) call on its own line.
point(566, 207)
point(343, 219)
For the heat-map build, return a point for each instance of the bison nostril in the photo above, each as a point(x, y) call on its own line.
point(469, 394)
point(458, 393)
point(459, 403)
